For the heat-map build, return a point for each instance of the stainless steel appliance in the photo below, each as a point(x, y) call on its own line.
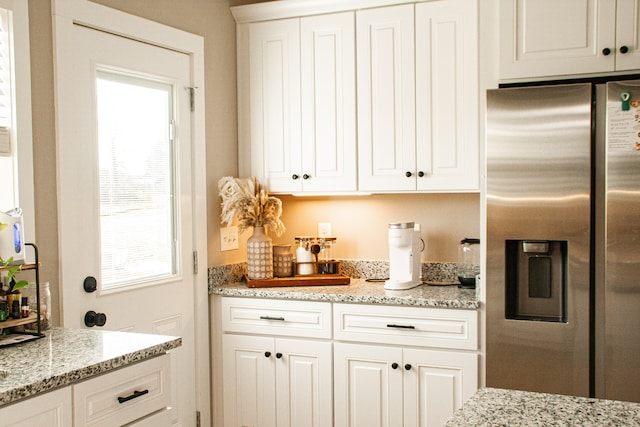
point(563, 239)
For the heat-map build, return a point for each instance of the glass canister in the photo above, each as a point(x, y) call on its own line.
point(45, 306)
point(468, 266)
point(282, 261)
point(326, 262)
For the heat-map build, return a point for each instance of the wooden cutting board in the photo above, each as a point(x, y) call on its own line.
point(313, 280)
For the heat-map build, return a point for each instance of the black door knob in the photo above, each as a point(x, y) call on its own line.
point(294, 176)
point(408, 174)
point(407, 367)
point(394, 365)
point(90, 284)
point(91, 319)
point(420, 174)
point(267, 354)
point(624, 49)
point(306, 176)
point(278, 355)
point(606, 51)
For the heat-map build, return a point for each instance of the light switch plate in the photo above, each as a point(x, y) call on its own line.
point(324, 229)
point(228, 238)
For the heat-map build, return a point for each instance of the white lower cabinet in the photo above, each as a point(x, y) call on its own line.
point(52, 409)
point(394, 386)
point(136, 395)
point(276, 382)
point(345, 365)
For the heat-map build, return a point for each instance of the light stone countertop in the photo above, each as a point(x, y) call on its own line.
point(65, 356)
point(498, 407)
point(361, 291)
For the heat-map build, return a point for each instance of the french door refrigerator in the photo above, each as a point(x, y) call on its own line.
point(563, 239)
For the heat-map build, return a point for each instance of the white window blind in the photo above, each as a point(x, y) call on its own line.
point(136, 180)
point(6, 101)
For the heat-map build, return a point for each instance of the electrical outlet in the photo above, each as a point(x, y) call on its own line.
point(324, 229)
point(228, 238)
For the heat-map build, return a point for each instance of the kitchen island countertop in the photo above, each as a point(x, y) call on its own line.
point(361, 291)
point(65, 356)
point(500, 407)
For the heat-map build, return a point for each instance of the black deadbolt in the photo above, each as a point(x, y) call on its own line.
point(90, 284)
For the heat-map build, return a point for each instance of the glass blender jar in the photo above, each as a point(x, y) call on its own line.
point(468, 266)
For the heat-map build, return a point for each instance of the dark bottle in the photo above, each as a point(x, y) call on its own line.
point(4, 310)
point(24, 308)
point(15, 309)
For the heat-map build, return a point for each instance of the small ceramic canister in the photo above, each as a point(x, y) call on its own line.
point(282, 260)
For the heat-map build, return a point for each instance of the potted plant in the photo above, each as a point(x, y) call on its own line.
point(13, 290)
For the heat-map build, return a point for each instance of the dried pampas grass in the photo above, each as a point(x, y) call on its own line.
point(249, 201)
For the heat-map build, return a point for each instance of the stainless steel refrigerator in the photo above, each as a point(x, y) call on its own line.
point(563, 239)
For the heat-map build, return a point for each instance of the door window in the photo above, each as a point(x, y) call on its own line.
point(136, 180)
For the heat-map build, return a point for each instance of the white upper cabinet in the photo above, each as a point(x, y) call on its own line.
point(274, 82)
point(301, 104)
point(418, 97)
point(541, 38)
point(447, 140)
point(328, 103)
point(386, 98)
point(410, 70)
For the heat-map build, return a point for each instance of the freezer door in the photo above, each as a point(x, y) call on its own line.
point(621, 337)
point(538, 190)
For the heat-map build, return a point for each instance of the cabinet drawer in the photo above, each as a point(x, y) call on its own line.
point(414, 326)
point(143, 389)
point(276, 317)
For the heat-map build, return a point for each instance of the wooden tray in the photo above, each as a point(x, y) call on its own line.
point(312, 280)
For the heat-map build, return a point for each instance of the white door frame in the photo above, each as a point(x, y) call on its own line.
point(84, 12)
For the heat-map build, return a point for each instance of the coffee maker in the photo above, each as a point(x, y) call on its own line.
point(404, 256)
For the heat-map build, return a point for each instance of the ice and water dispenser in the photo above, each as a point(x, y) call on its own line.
point(536, 280)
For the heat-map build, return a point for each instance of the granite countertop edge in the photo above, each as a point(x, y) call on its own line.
point(30, 387)
point(359, 293)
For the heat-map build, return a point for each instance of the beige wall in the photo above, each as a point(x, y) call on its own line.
point(358, 222)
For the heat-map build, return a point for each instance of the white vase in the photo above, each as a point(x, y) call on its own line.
point(259, 255)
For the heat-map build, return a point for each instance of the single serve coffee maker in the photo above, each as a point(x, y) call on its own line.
point(404, 256)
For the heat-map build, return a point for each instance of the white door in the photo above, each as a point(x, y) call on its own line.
point(303, 383)
point(249, 381)
point(274, 68)
point(368, 385)
point(327, 66)
point(386, 98)
point(125, 192)
point(447, 95)
point(549, 38)
point(437, 384)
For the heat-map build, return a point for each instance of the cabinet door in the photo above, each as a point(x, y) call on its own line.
point(447, 95)
point(304, 383)
point(328, 103)
point(51, 409)
point(628, 35)
point(549, 37)
point(386, 98)
point(248, 381)
point(368, 390)
point(274, 82)
point(437, 384)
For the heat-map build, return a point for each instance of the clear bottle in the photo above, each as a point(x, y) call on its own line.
point(45, 306)
point(468, 266)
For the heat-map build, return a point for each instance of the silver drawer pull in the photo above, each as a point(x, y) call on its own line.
point(133, 396)
point(391, 325)
point(272, 318)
